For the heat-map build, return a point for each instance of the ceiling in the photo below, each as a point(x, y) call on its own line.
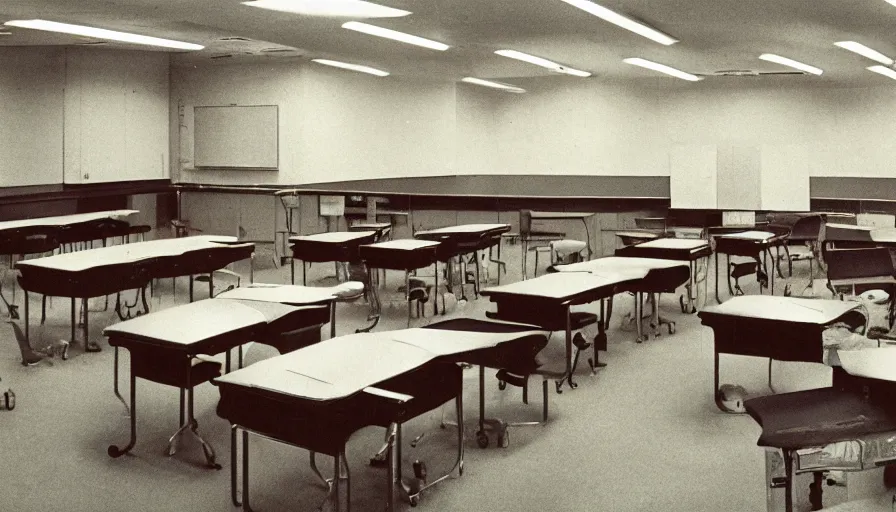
point(714, 35)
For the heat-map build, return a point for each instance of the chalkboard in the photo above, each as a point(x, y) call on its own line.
point(236, 137)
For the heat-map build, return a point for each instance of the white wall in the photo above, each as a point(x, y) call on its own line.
point(845, 132)
point(334, 125)
point(568, 126)
point(70, 113)
point(116, 116)
point(31, 96)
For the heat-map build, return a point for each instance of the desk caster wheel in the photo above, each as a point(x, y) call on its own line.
point(642, 338)
point(559, 385)
point(482, 439)
point(504, 439)
point(671, 328)
point(9, 400)
point(413, 500)
point(502, 385)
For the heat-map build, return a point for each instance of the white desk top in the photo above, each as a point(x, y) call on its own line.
point(566, 284)
point(873, 363)
point(66, 220)
point(884, 235)
point(787, 309)
point(749, 235)
point(463, 228)
point(562, 215)
point(323, 372)
point(199, 321)
point(283, 294)
point(371, 225)
point(130, 253)
point(616, 264)
point(850, 226)
point(404, 244)
point(335, 237)
point(676, 243)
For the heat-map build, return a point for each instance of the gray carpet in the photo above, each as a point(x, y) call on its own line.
point(641, 435)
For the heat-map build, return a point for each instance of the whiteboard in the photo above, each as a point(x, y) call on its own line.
point(236, 137)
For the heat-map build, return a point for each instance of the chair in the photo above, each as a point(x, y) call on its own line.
point(290, 203)
point(528, 235)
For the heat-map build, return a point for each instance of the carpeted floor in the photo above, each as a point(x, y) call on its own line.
point(641, 435)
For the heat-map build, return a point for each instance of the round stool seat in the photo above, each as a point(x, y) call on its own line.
point(349, 289)
point(566, 247)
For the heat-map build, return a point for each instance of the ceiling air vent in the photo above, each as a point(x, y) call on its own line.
point(234, 38)
point(226, 56)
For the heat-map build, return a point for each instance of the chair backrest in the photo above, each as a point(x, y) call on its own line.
point(525, 223)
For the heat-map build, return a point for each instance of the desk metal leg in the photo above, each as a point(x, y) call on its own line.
point(436, 293)
point(599, 342)
point(788, 485)
point(115, 384)
point(332, 319)
point(717, 278)
point(115, 451)
point(525, 246)
point(89, 346)
point(639, 318)
point(569, 365)
point(192, 425)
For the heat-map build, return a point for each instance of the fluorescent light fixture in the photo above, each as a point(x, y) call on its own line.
point(99, 33)
point(662, 68)
point(493, 85)
point(352, 67)
point(622, 21)
point(777, 59)
point(864, 51)
point(883, 70)
point(395, 35)
point(333, 8)
point(538, 61)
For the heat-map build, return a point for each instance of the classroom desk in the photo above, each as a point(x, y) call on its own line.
point(856, 409)
point(108, 270)
point(677, 249)
point(61, 221)
point(315, 398)
point(163, 347)
point(406, 256)
point(547, 300)
point(656, 276)
point(457, 241)
point(752, 244)
point(293, 295)
point(335, 246)
point(779, 328)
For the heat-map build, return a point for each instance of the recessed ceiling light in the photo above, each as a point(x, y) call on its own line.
point(333, 8)
point(770, 57)
point(395, 35)
point(538, 61)
point(883, 70)
point(352, 67)
point(99, 33)
point(662, 68)
point(864, 51)
point(623, 21)
point(493, 85)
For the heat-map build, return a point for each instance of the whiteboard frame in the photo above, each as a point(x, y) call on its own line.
point(237, 167)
